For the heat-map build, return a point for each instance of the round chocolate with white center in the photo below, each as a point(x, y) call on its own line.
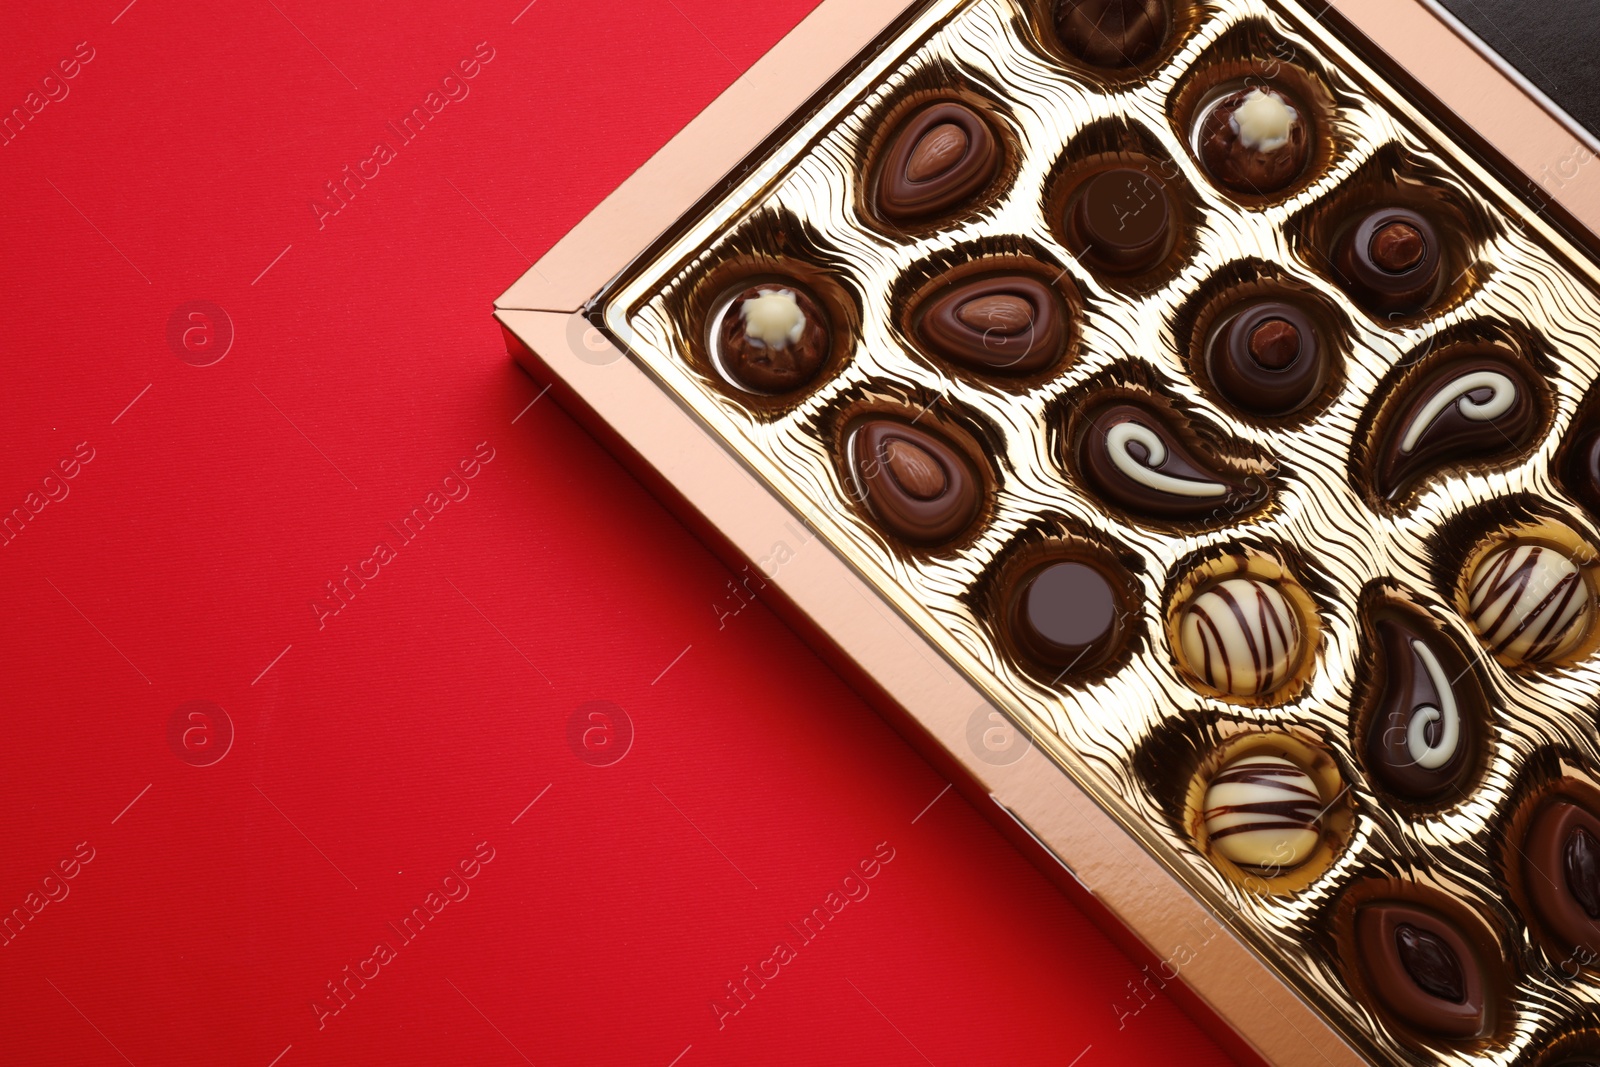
point(1390, 260)
point(1112, 33)
point(1122, 221)
point(1130, 454)
point(1254, 141)
point(1241, 637)
point(1069, 615)
point(773, 338)
point(1529, 603)
point(1262, 813)
point(1268, 359)
point(1005, 324)
point(1423, 969)
point(1478, 407)
point(940, 157)
point(916, 484)
point(1561, 873)
point(1430, 709)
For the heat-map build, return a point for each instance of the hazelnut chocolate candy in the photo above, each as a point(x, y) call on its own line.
point(1423, 969)
point(1478, 407)
point(1268, 359)
point(1390, 260)
point(1006, 324)
point(916, 484)
point(1122, 221)
point(1131, 455)
point(773, 338)
point(1254, 141)
point(1561, 873)
point(941, 157)
point(1112, 33)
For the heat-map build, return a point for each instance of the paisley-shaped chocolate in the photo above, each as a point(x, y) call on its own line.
point(917, 485)
point(1390, 260)
point(1004, 324)
point(1481, 406)
point(1131, 454)
point(1424, 970)
point(1268, 359)
point(1561, 873)
point(1429, 710)
point(940, 158)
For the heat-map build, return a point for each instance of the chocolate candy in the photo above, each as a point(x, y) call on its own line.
point(1112, 33)
point(1561, 873)
point(1428, 711)
point(1254, 141)
point(916, 484)
point(1130, 454)
point(1479, 407)
point(1529, 603)
point(1581, 470)
point(1241, 637)
point(1262, 813)
point(1268, 359)
point(1068, 615)
point(1423, 969)
point(940, 158)
point(1004, 324)
point(1389, 260)
point(773, 338)
point(1122, 221)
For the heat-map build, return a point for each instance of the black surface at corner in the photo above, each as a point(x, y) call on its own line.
point(1553, 43)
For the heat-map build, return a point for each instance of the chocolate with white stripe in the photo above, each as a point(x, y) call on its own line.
point(1530, 603)
point(1262, 812)
point(1132, 455)
point(1241, 637)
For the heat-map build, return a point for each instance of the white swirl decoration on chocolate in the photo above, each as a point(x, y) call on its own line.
point(1431, 754)
point(1241, 637)
point(1501, 399)
point(1121, 440)
point(1262, 812)
point(1530, 603)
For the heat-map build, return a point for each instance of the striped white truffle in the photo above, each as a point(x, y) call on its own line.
point(1529, 603)
point(1262, 812)
point(1241, 637)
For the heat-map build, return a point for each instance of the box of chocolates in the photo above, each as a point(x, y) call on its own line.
point(1188, 410)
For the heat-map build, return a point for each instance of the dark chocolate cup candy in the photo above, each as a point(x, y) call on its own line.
point(1269, 359)
point(1390, 260)
point(1122, 221)
point(1068, 614)
point(941, 157)
point(1112, 33)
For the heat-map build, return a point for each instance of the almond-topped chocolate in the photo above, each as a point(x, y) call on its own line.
point(917, 485)
point(941, 157)
point(1004, 324)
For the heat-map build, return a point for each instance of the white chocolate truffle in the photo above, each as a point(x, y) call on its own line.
point(773, 319)
point(1241, 637)
point(1530, 603)
point(1263, 813)
point(1264, 121)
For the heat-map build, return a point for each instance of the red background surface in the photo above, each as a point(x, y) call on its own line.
point(377, 750)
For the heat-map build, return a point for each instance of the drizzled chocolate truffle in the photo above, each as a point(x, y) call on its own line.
point(1390, 260)
point(1561, 873)
point(1268, 359)
point(1262, 813)
point(1112, 33)
point(917, 485)
point(1068, 615)
point(1122, 221)
point(1423, 969)
point(1529, 603)
point(773, 338)
point(1132, 455)
point(940, 158)
point(1481, 406)
point(1241, 637)
point(1254, 141)
point(1005, 324)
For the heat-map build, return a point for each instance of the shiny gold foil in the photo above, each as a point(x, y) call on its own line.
point(1135, 738)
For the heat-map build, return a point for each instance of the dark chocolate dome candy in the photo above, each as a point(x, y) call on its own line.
point(1581, 470)
point(1481, 406)
point(1561, 873)
point(1122, 221)
point(941, 157)
point(1068, 614)
point(1428, 710)
point(1112, 33)
point(1424, 970)
point(1132, 455)
point(1390, 260)
point(773, 337)
point(1005, 324)
point(918, 486)
point(1268, 359)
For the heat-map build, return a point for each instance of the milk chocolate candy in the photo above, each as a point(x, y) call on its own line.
point(1255, 141)
point(1112, 33)
point(917, 485)
point(773, 338)
point(1560, 868)
point(1122, 221)
point(1007, 324)
point(1423, 970)
point(941, 157)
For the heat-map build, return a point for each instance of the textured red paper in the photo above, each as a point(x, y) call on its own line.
point(378, 748)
